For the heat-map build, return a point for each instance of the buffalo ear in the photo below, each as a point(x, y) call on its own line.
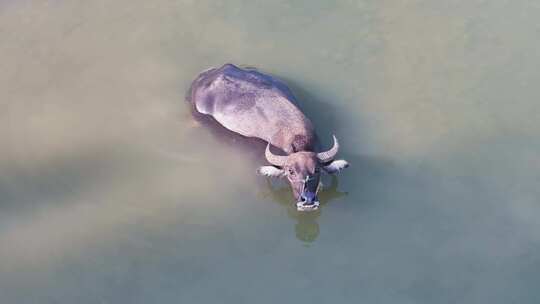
point(271, 171)
point(336, 166)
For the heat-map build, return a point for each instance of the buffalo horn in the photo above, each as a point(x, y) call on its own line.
point(276, 160)
point(329, 155)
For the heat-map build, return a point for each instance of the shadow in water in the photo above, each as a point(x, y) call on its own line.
point(306, 227)
point(327, 116)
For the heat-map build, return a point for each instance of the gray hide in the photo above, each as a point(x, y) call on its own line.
point(254, 105)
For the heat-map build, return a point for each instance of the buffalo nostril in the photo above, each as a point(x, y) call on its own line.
point(307, 200)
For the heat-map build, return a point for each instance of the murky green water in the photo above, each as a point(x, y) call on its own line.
point(109, 193)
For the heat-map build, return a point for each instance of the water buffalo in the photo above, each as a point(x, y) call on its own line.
point(258, 105)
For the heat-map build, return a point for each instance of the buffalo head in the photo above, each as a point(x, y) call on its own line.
point(302, 170)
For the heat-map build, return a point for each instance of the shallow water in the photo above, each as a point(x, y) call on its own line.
point(111, 193)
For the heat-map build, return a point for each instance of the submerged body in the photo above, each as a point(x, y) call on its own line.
point(258, 105)
point(253, 104)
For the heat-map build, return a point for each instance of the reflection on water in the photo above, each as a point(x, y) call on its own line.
point(306, 228)
point(110, 191)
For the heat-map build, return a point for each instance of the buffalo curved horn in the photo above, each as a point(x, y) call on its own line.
point(329, 155)
point(276, 160)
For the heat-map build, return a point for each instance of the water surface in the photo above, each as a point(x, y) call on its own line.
point(111, 193)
